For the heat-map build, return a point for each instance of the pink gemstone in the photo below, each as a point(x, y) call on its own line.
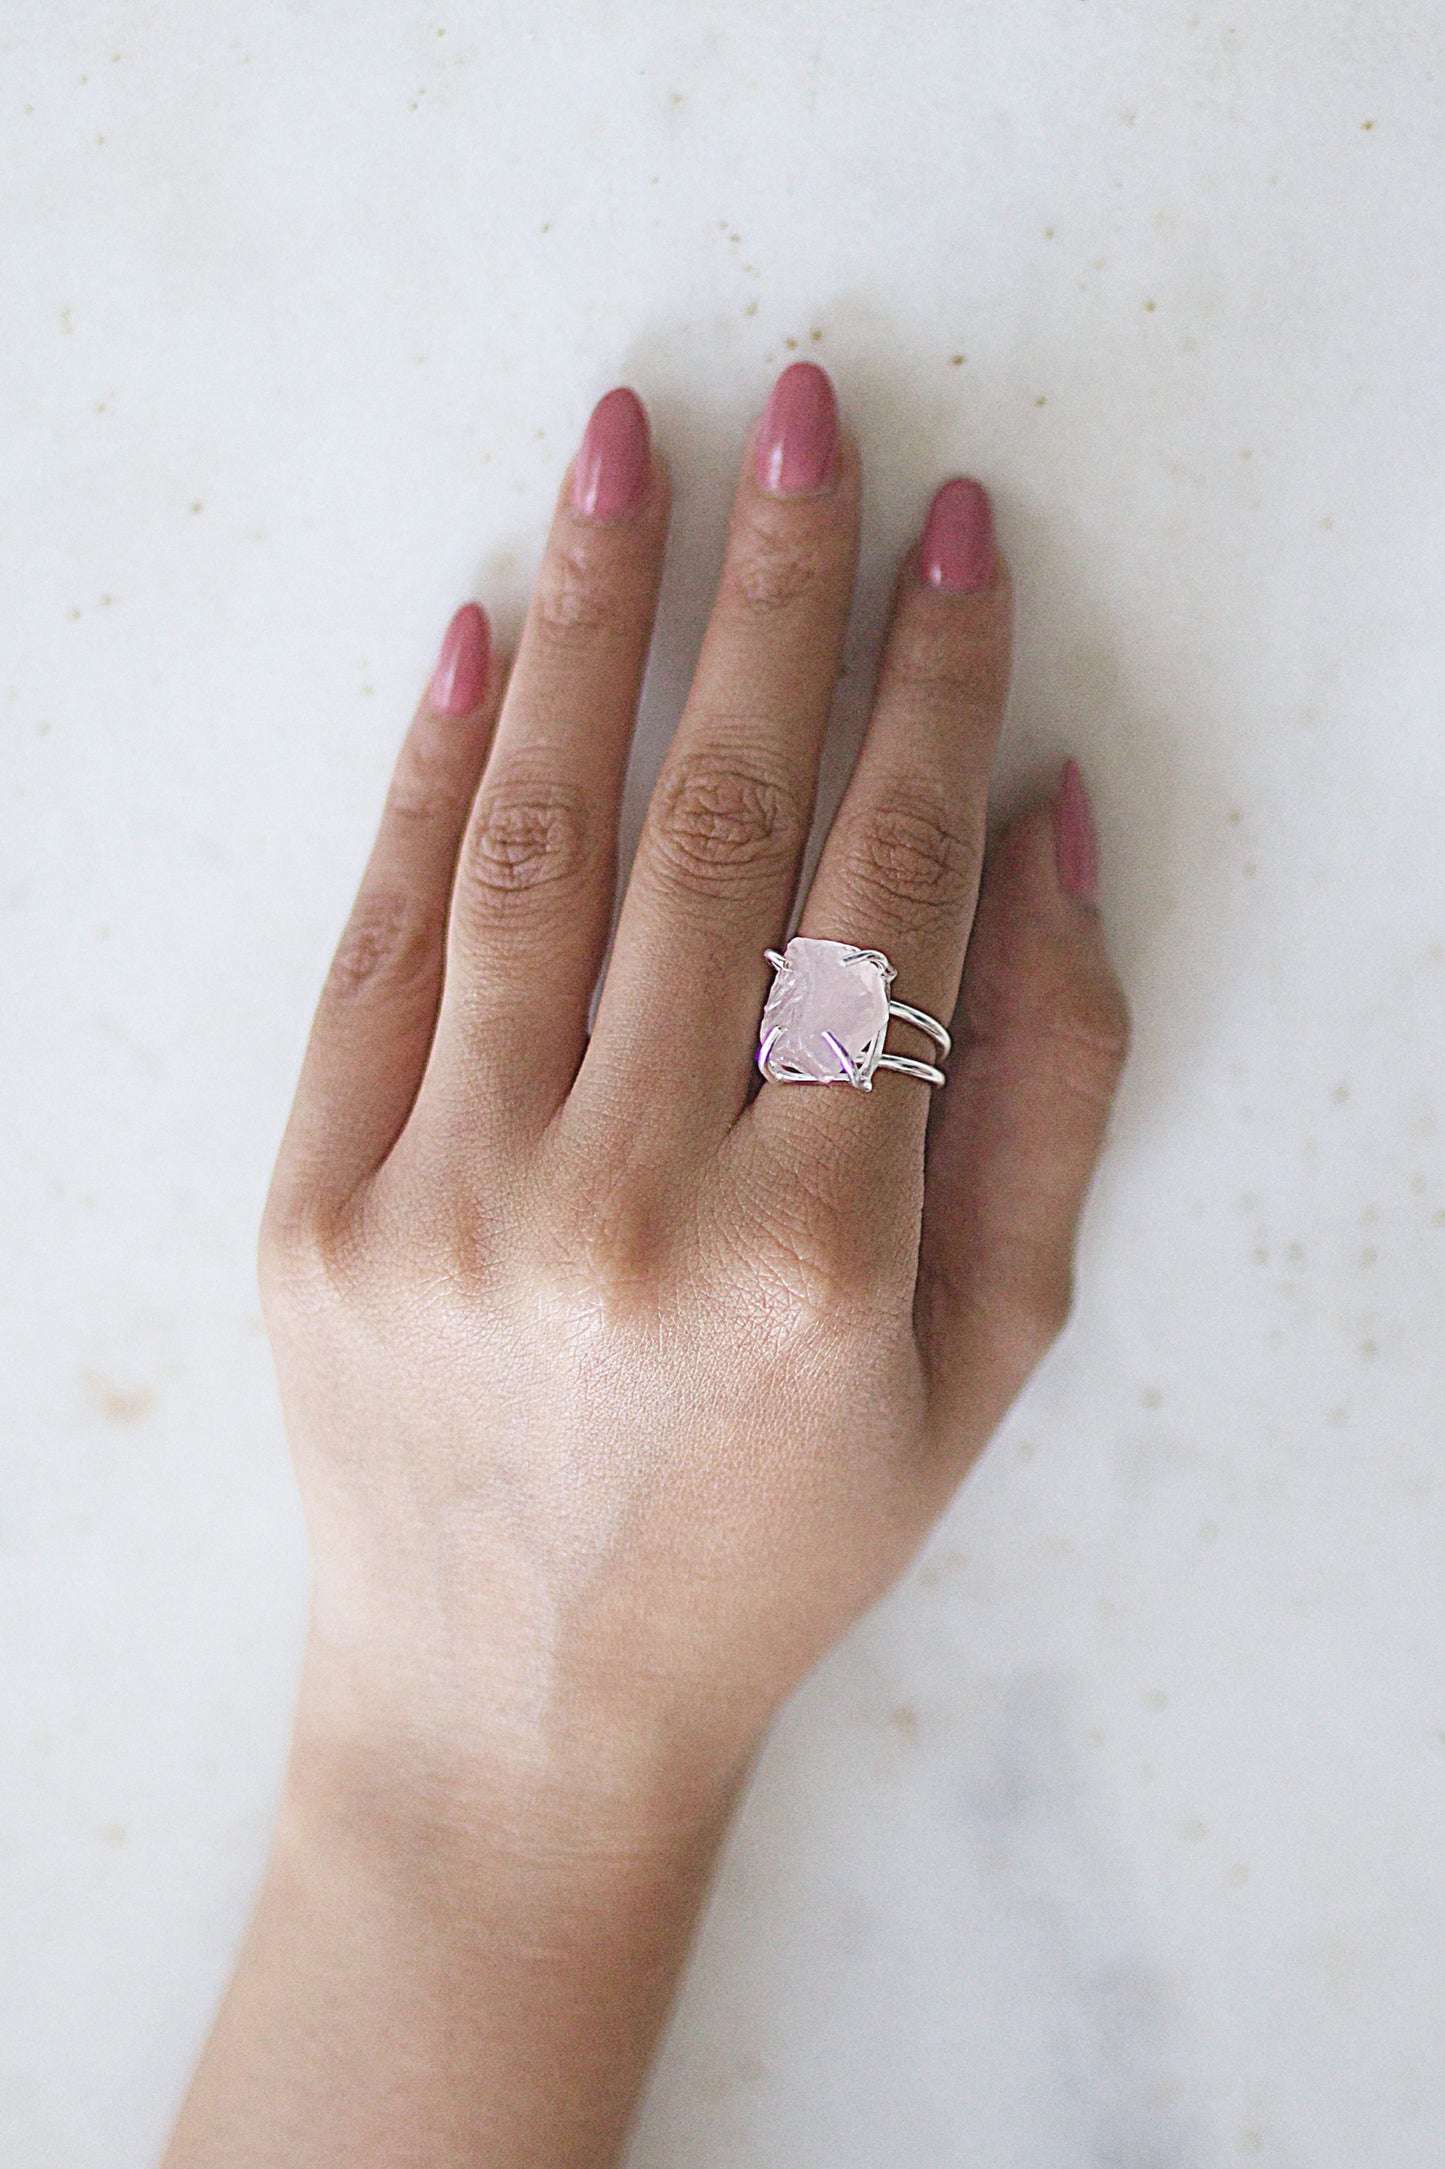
point(826, 1016)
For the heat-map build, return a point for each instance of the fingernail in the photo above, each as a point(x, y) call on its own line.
point(797, 447)
point(1076, 838)
point(461, 671)
point(957, 555)
point(609, 475)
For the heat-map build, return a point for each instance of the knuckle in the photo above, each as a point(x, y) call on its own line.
point(306, 1251)
point(1037, 1319)
point(1035, 988)
point(572, 601)
point(606, 1257)
point(1100, 1021)
point(725, 826)
point(527, 844)
point(940, 668)
point(821, 1275)
point(392, 939)
point(906, 849)
point(427, 785)
point(803, 1246)
point(772, 569)
point(1088, 1025)
point(1023, 1313)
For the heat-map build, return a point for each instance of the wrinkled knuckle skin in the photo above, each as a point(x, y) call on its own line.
point(772, 571)
point(392, 940)
point(724, 828)
point(942, 670)
point(905, 851)
point(526, 846)
point(573, 601)
point(426, 787)
point(1091, 1025)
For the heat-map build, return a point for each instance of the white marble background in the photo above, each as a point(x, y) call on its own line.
point(1113, 1840)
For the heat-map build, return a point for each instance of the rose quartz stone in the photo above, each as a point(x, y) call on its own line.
point(826, 1015)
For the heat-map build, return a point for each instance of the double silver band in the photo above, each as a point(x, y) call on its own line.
point(922, 1022)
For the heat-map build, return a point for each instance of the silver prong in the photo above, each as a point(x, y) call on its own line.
point(850, 1067)
point(887, 971)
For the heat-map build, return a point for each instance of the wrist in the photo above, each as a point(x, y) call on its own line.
point(564, 1782)
point(479, 1942)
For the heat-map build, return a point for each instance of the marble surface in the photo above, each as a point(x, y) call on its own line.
point(1114, 1836)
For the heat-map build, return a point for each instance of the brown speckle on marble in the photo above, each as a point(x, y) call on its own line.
point(118, 1404)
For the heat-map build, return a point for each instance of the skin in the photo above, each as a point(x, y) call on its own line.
point(618, 1388)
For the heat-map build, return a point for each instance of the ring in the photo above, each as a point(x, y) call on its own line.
point(827, 1016)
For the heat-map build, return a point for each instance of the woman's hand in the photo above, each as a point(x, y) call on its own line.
point(618, 1387)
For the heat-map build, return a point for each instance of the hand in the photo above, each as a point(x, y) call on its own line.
point(618, 1389)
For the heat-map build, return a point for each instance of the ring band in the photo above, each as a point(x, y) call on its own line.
point(827, 1016)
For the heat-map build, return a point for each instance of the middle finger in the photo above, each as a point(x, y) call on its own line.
point(717, 864)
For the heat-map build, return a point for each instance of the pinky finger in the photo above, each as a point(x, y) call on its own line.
point(378, 1010)
point(1043, 1030)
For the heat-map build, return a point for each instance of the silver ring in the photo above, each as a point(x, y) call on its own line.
point(827, 1016)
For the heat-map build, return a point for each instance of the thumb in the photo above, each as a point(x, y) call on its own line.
point(1042, 1029)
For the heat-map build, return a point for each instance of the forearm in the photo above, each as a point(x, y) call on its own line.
point(439, 1975)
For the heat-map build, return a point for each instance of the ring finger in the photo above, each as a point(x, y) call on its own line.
point(900, 869)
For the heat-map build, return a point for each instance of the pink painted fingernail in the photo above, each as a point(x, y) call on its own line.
point(957, 555)
point(461, 670)
point(1076, 839)
point(797, 447)
point(609, 476)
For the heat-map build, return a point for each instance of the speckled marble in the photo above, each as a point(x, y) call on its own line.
point(1114, 1836)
